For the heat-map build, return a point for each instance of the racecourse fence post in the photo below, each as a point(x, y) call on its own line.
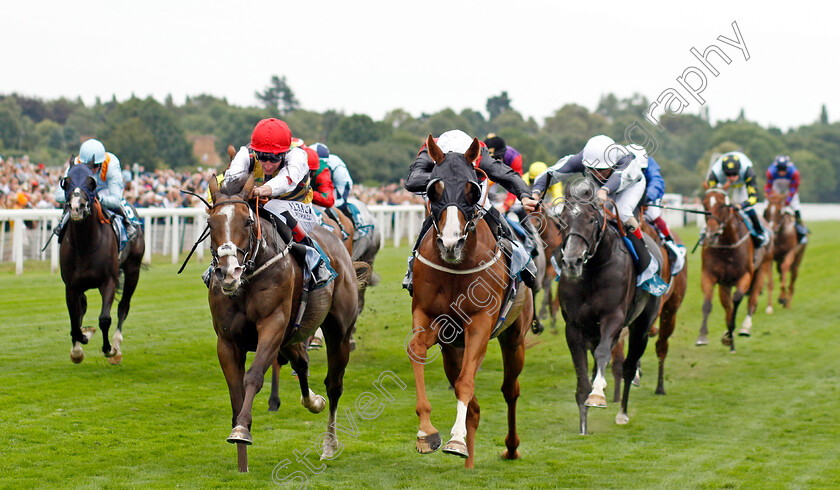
point(397, 227)
point(53, 247)
point(173, 229)
point(200, 223)
point(381, 220)
point(17, 245)
point(148, 236)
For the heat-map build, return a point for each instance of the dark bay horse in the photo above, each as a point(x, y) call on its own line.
point(671, 301)
point(787, 251)
point(598, 297)
point(548, 228)
point(729, 260)
point(89, 259)
point(460, 283)
point(254, 296)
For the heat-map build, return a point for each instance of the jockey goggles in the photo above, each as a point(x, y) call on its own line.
point(268, 157)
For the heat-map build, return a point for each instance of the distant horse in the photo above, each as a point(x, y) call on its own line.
point(549, 229)
point(89, 258)
point(788, 251)
point(254, 296)
point(598, 297)
point(671, 302)
point(729, 259)
point(460, 286)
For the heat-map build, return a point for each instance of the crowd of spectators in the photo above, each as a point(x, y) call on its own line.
point(24, 185)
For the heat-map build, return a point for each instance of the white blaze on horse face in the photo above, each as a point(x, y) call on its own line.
point(228, 249)
point(459, 430)
point(451, 231)
point(712, 202)
point(76, 204)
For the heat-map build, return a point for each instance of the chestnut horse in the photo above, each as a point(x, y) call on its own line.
point(787, 252)
point(460, 282)
point(729, 259)
point(254, 297)
point(671, 301)
point(89, 258)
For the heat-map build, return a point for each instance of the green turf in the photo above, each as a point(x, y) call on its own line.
point(764, 417)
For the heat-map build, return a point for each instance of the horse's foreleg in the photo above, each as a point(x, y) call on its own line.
point(232, 361)
point(131, 276)
point(270, 337)
point(76, 311)
point(725, 295)
point(667, 321)
point(107, 291)
point(769, 309)
point(274, 398)
point(476, 337)
point(707, 285)
point(636, 343)
point(298, 357)
point(794, 272)
point(576, 343)
point(747, 284)
point(784, 293)
point(618, 364)
point(513, 357)
point(421, 338)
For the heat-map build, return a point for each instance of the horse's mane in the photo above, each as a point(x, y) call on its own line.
point(233, 186)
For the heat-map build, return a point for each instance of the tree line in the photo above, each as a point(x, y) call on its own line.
point(157, 134)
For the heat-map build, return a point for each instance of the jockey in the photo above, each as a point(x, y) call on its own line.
point(109, 185)
point(734, 172)
point(323, 190)
point(653, 195)
point(283, 172)
point(619, 177)
point(418, 179)
point(510, 157)
point(783, 178)
point(342, 182)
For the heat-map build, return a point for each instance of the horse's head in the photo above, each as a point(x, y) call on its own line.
point(79, 190)
point(585, 223)
point(232, 234)
point(716, 203)
point(453, 194)
point(775, 211)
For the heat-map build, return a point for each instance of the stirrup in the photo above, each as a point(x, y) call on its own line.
point(655, 285)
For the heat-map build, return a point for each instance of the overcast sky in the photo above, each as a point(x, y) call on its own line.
point(374, 56)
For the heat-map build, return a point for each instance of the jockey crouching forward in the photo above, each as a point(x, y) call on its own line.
point(654, 191)
point(109, 187)
point(418, 179)
point(617, 174)
point(342, 187)
point(323, 188)
point(734, 172)
point(285, 172)
point(783, 178)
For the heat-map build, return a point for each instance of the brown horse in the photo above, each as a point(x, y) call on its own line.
point(460, 285)
point(254, 296)
point(548, 227)
point(598, 297)
point(729, 259)
point(671, 302)
point(89, 259)
point(788, 251)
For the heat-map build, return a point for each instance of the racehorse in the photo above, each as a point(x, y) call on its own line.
point(255, 293)
point(549, 230)
point(729, 259)
point(598, 296)
point(671, 301)
point(89, 258)
point(787, 252)
point(460, 285)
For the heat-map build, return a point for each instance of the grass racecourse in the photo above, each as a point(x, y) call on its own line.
point(766, 417)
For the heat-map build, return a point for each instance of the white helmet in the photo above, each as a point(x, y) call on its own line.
point(92, 149)
point(601, 152)
point(454, 140)
point(639, 152)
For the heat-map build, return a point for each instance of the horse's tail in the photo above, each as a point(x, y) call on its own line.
point(364, 275)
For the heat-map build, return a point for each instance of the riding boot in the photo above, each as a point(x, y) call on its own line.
point(529, 275)
point(408, 283)
point(760, 236)
point(678, 252)
point(62, 222)
point(646, 268)
point(801, 229)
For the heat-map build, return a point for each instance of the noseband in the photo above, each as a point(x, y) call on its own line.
point(223, 250)
point(599, 234)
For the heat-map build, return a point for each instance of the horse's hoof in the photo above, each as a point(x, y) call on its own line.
point(429, 443)
point(653, 332)
point(622, 419)
point(782, 301)
point(318, 402)
point(744, 332)
point(77, 355)
point(769, 310)
point(329, 451)
point(701, 341)
point(88, 333)
point(598, 401)
point(240, 433)
point(115, 359)
point(273, 404)
point(726, 339)
point(507, 455)
point(352, 344)
point(457, 448)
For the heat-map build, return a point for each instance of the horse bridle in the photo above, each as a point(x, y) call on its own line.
point(223, 250)
point(590, 251)
point(722, 226)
